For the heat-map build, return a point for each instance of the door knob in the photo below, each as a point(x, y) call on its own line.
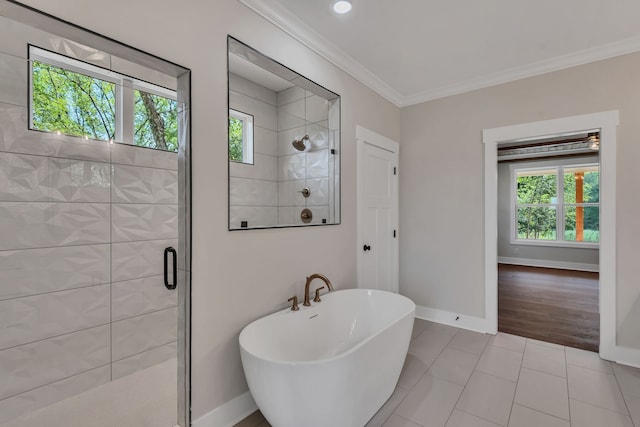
point(366, 248)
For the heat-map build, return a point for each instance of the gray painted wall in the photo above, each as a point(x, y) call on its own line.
point(442, 186)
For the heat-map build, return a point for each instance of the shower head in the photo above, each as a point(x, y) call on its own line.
point(298, 144)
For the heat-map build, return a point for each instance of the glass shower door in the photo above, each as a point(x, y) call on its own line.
point(94, 272)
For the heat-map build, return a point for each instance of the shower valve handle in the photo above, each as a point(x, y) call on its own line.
point(366, 248)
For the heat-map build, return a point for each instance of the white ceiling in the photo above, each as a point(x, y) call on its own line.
point(411, 51)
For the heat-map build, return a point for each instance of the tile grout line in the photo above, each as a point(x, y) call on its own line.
point(603, 407)
point(566, 370)
point(55, 381)
point(515, 391)
point(624, 398)
point(484, 373)
point(55, 336)
point(466, 382)
point(421, 376)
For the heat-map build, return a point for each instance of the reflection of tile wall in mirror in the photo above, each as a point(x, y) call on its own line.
point(305, 113)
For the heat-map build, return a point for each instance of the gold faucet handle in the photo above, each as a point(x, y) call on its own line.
point(294, 305)
point(317, 298)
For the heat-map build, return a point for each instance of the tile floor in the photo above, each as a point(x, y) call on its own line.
point(457, 378)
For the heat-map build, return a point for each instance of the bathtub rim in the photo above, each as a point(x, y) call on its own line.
point(353, 349)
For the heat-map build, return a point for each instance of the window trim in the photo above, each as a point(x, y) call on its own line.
point(559, 206)
point(125, 87)
point(248, 140)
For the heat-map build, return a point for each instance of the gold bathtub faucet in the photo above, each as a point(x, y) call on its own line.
point(309, 280)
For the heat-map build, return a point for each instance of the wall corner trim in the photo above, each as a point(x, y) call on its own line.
point(229, 413)
point(444, 317)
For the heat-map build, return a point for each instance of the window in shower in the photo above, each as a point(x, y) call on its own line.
point(75, 98)
point(240, 137)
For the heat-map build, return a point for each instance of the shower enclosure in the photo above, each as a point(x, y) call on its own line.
point(94, 219)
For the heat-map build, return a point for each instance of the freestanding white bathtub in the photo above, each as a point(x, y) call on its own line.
point(333, 364)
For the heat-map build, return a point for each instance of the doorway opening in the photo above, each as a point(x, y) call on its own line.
point(548, 239)
point(605, 124)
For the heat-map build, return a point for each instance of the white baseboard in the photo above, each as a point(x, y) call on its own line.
point(627, 356)
point(463, 321)
point(549, 264)
point(228, 414)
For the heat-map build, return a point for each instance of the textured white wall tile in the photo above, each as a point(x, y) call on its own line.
point(318, 136)
point(286, 138)
point(22, 177)
point(78, 180)
point(43, 316)
point(246, 87)
point(34, 271)
point(318, 164)
point(37, 178)
point(138, 334)
point(317, 109)
point(144, 360)
point(13, 80)
point(289, 95)
point(32, 400)
point(292, 167)
point(256, 216)
point(264, 115)
point(13, 35)
point(133, 184)
point(33, 225)
point(290, 193)
point(15, 406)
point(252, 192)
point(32, 365)
point(140, 296)
point(133, 222)
point(287, 121)
point(295, 109)
point(71, 386)
point(319, 188)
point(264, 168)
point(286, 216)
point(16, 138)
point(133, 260)
point(125, 154)
point(265, 141)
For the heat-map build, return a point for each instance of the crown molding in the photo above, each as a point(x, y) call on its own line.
point(296, 28)
point(557, 63)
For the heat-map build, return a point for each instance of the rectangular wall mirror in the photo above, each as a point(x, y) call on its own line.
point(284, 145)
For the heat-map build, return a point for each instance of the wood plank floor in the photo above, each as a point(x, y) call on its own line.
point(558, 306)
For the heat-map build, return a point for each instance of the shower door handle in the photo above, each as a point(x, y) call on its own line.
point(168, 285)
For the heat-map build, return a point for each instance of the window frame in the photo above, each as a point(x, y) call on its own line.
point(248, 140)
point(124, 94)
point(560, 206)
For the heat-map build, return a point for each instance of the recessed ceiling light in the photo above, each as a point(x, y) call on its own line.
point(342, 6)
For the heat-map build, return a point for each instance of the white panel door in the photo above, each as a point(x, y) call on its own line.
point(378, 217)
